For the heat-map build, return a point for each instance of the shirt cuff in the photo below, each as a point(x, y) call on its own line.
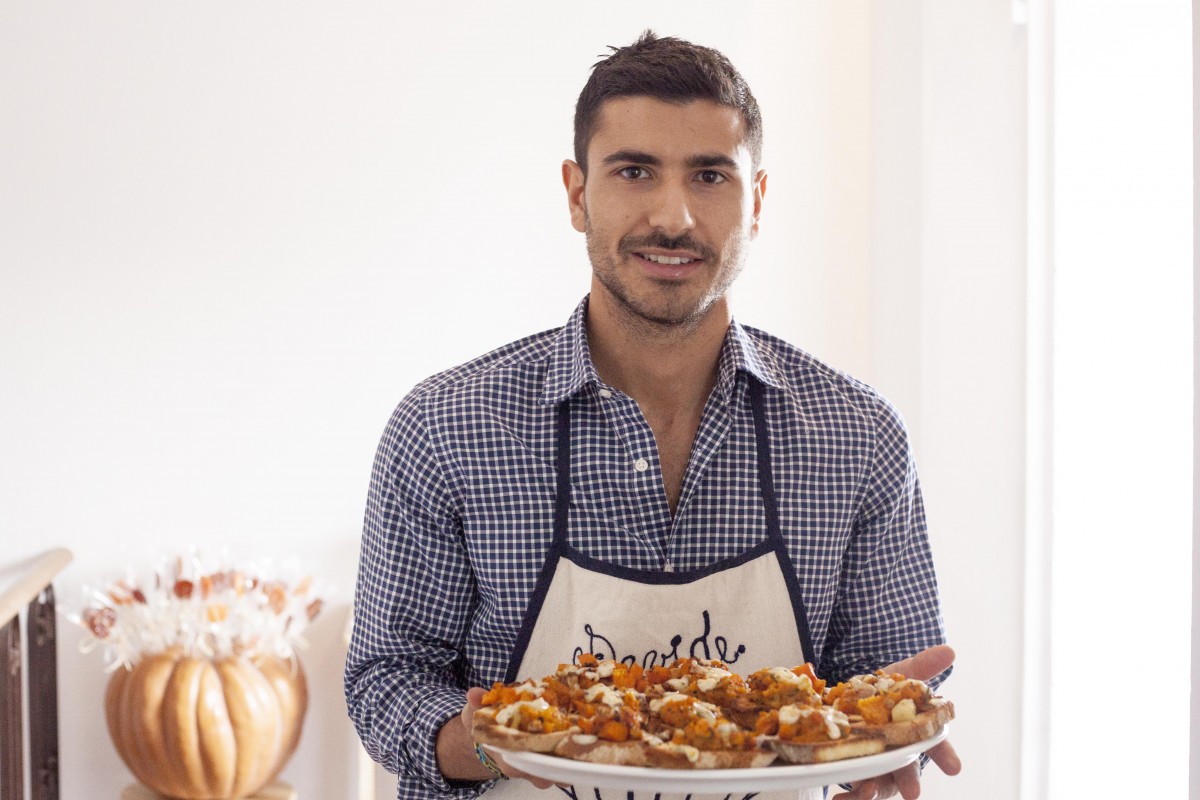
point(435, 711)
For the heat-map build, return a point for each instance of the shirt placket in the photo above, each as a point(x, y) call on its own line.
point(715, 426)
point(641, 472)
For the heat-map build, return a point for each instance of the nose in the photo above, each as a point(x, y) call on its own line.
point(671, 210)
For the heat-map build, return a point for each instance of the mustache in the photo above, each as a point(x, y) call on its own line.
point(631, 243)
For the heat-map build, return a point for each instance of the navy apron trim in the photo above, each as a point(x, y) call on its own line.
point(766, 481)
point(658, 577)
point(562, 507)
point(562, 469)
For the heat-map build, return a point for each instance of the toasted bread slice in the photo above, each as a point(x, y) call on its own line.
point(925, 725)
point(745, 710)
point(586, 747)
point(902, 710)
point(486, 730)
point(734, 759)
point(852, 746)
point(665, 755)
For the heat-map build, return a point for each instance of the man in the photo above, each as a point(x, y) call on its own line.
point(652, 480)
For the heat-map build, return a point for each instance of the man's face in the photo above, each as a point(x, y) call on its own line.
point(669, 206)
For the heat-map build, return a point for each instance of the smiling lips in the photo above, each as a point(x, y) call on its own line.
point(668, 260)
point(658, 266)
point(668, 267)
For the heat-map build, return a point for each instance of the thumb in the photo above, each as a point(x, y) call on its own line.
point(474, 703)
point(926, 664)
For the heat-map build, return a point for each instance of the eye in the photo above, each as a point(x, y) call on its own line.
point(711, 176)
point(633, 173)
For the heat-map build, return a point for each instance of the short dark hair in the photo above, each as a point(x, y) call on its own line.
point(671, 70)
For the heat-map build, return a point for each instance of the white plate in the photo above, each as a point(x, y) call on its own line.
point(777, 776)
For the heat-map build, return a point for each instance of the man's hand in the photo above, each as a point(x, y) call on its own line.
point(923, 666)
point(456, 749)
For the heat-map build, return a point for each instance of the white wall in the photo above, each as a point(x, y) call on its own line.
point(232, 235)
point(947, 296)
point(1194, 760)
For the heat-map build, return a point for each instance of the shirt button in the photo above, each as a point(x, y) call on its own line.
point(605, 393)
point(641, 465)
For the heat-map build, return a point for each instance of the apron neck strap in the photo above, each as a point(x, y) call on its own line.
point(562, 468)
point(762, 442)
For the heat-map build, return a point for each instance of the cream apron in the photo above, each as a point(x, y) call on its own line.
point(745, 611)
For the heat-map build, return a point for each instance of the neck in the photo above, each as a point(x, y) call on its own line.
point(667, 369)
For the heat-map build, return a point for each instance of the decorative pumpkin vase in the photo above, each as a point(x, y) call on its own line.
point(206, 729)
point(208, 696)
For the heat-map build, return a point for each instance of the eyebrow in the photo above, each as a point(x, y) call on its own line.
point(707, 161)
point(633, 157)
point(700, 161)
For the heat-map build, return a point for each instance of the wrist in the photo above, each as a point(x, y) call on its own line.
point(489, 763)
point(456, 758)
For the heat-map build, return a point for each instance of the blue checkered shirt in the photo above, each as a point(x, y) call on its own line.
point(460, 515)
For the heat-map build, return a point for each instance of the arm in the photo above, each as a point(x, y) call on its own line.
point(413, 603)
point(887, 607)
point(888, 612)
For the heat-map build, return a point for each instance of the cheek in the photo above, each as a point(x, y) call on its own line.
point(734, 228)
point(610, 208)
point(725, 213)
point(609, 222)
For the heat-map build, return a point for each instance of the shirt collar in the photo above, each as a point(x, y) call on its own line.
point(740, 353)
point(571, 368)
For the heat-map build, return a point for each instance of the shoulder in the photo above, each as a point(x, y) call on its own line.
point(820, 391)
point(515, 364)
point(510, 377)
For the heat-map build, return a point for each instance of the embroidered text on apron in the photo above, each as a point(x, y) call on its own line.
point(733, 610)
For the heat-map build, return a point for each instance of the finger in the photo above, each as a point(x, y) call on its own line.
point(540, 783)
point(908, 782)
point(474, 702)
point(512, 772)
point(926, 664)
point(944, 755)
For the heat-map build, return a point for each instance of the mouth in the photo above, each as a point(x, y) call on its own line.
point(668, 259)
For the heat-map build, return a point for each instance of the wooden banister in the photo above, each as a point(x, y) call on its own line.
point(28, 585)
point(21, 583)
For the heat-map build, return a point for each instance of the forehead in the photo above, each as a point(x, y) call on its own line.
point(666, 130)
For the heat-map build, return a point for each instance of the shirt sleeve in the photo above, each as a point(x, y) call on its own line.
point(888, 606)
point(412, 607)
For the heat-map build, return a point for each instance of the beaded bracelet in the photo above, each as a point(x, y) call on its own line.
point(487, 761)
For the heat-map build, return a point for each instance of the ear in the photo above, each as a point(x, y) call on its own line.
point(760, 191)
point(573, 182)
